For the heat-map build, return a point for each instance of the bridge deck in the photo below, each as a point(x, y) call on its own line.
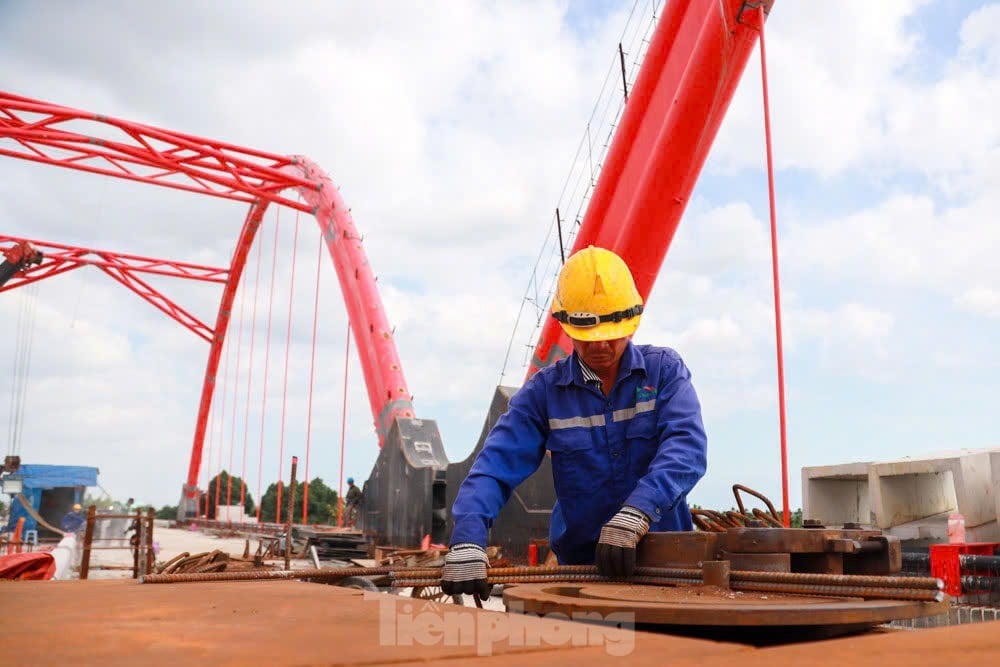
point(288, 622)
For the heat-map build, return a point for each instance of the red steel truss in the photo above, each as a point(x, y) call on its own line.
point(61, 258)
point(52, 134)
point(41, 133)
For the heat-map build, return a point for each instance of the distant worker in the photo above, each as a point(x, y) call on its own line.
point(353, 499)
point(128, 510)
point(74, 519)
point(622, 423)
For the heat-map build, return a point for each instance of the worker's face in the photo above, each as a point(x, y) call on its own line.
point(602, 356)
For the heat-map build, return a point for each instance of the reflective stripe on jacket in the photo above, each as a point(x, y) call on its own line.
point(644, 445)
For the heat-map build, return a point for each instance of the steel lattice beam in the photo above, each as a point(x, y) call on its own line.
point(78, 255)
point(43, 132)
point(60, 258)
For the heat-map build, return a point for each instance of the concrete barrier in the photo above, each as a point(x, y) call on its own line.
point(911, 497)
point(837, 494)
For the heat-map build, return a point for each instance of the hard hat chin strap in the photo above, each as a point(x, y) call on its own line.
point(585, 320)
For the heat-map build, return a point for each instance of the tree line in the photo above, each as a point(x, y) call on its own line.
point(322, 505)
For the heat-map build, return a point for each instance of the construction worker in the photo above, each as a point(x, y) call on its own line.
point(622, 423)
point(74, 520)
point(353, 499)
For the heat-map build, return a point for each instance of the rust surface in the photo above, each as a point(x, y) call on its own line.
point(797, 540)
point(292, 623)
point(703, 595)
point(834, 551)
point(956, 646)
point(972, 645)
point(682, 549)
point(759, 562)
point(122, 622)
point(704, 606)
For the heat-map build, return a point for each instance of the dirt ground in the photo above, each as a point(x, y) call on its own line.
point(167, 543)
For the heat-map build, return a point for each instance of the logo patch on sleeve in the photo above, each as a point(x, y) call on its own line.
point(645, 393)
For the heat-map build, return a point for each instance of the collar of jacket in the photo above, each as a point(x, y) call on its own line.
point(632, 362)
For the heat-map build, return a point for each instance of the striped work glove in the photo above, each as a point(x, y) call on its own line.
point(464, 571)
point(619, 538)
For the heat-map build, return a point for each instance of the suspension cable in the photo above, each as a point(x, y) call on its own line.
point(14, 377)
point(220, 440)
point(343, 429)
point(207, 468)
point(15, 389)
point(584, 169)
point(222, 419)
point(22, 364)
point(267, 357)
point(214, 444)
point(774, 271)
point(236, 394)
point(312, 372)
point(30, 340)
point(288, 346)
point(246, 416)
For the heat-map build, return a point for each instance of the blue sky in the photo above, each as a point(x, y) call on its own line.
point(451, 133)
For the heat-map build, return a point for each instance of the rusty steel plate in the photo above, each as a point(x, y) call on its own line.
point(699, 605)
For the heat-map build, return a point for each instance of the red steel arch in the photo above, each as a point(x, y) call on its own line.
point(45, 132)
point(695, 60)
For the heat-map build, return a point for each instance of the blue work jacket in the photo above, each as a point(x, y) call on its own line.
point(644, 445)
point(73, 521)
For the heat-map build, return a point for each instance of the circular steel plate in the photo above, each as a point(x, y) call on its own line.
point(698, 605)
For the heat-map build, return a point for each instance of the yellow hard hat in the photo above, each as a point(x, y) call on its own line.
point(77, 507)
point(596, 298)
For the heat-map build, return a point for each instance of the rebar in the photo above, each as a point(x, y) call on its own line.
point(839, 585)
point(914, 561)
point(915, 595)
point(973, 585)
point(254, 575)
point(928, 583)
point(550, 578)
point(983, 565)
point(796, 578)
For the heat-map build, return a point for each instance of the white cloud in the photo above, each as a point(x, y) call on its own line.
point(905, 242)
point(876, 110)
point(983, 300)
point(852, 338)
point(828, 79)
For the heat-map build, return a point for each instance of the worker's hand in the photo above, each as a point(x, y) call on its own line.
point(619, 538)
point(464, 571)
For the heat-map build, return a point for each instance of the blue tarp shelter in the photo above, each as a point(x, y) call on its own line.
point(51, 490)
